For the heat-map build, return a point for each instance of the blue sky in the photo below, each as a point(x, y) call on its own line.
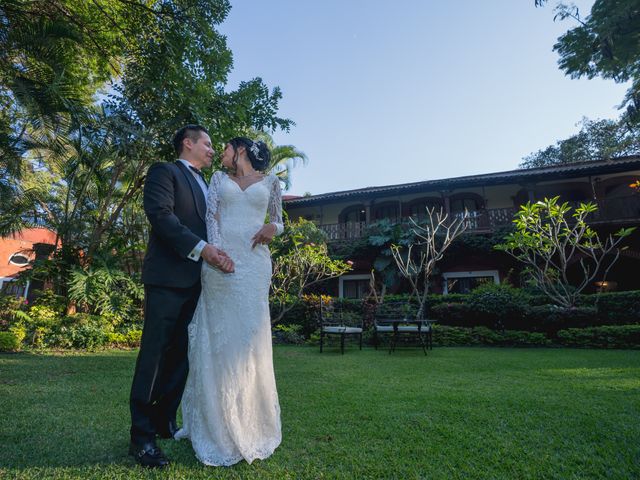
point(392, 92)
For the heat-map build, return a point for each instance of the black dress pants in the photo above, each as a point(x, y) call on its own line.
point(162, 366)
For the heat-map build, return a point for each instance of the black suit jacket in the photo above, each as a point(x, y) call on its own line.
point(176, 207)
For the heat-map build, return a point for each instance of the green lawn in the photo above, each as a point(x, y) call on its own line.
point(457, 413)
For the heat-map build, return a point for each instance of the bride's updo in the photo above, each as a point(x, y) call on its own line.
point(257, 152)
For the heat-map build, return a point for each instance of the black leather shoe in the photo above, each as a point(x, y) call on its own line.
point(148, 455)
point(168, 430)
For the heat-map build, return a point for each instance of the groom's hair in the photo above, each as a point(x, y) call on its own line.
point(188, 131)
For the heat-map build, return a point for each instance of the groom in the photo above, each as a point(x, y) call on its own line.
point(175, 204)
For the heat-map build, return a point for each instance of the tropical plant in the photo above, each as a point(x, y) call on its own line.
point(550, 237)
point(300, 266)
point(283, 158)
point(417, 261)
point(104, 290)
point(91, 94)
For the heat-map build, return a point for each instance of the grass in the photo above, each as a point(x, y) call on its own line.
point(459, 413)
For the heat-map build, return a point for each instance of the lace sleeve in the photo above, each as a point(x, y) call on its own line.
point(213, 215)
point(275, 205)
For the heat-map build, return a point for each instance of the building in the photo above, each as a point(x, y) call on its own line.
point(491, 199)
point(16, 254)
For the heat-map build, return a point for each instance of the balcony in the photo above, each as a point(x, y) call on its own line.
point(615, 210)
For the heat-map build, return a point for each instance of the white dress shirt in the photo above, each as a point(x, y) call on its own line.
point(197, 250)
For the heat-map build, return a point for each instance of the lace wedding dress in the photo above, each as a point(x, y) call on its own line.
point(230, 404)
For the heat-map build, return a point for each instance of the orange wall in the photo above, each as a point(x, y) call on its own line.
point(21, 243)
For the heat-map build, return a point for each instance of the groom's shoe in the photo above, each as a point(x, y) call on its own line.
point(168, 430)
point(148, 455)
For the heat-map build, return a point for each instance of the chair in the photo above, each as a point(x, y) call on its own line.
point(396, 319)
point(337, 322)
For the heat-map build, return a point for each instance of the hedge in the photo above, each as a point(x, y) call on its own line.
point(494, 306)
point(609, 336)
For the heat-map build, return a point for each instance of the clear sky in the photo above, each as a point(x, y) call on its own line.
point(391, 92)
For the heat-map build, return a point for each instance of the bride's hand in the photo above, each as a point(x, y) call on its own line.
point(264, 235)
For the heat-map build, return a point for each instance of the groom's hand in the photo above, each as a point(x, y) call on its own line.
point(217, 258)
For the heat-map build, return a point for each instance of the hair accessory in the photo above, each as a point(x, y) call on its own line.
point(256, 151)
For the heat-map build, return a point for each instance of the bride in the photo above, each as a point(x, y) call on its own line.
point(230, 405)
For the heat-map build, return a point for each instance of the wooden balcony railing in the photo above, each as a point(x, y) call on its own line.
point(624, 209)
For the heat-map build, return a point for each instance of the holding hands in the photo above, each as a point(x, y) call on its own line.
point(217, 258)
point(264, 235)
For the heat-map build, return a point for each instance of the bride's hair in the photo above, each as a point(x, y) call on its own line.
point(257, 152)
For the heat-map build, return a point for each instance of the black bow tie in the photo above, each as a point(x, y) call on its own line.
point(198, 172)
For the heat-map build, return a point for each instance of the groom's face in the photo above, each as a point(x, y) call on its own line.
point(200, 151)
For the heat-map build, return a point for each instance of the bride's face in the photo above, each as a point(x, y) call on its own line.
point(228, 154)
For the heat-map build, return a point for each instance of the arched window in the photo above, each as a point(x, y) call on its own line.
point(355, 213)
point(387, 210)
point(352, 222)
point(470, 202)
point(418, 208)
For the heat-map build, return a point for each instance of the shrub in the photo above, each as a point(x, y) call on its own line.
point(609, 336)
point(124, 339)
point(134, 337)
point(550, 318)
point(19, 331)
point(498, 306)
point(446, 336)
point(454, 314)
point(117, 339)
point(460, 336)
point(288, 334)
point(619, 308)
point(486, 336)
point(9, 305)
point(48, 298)
point(9, 342)
point(83, 336)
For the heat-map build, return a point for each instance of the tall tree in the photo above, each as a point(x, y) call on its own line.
point(603, 44)
point(597, 140)
point(94, 91)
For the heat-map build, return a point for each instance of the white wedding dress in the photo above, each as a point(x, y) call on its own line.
point(230, 404)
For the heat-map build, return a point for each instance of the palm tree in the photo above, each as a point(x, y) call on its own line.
point(283, 158)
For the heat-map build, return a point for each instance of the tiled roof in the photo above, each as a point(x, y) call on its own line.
point(511, 176)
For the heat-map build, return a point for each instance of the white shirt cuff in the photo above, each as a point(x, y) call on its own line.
point(197, 250)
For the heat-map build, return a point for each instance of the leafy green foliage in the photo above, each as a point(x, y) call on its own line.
point(497, 306)
point(300, 264)
point(612, 336)
point(603, 44)
point(283, 157)
point(9, 342)
point(92, 93)
point(288, 334)
point(104, 290)
point(550, 236)
point(597, 140)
